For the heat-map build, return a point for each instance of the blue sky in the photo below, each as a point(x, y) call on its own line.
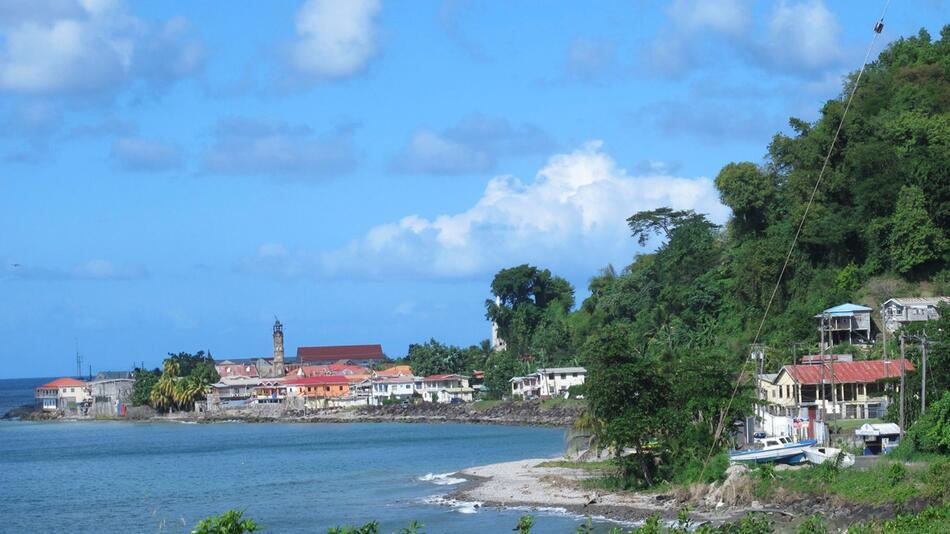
point(173, 175)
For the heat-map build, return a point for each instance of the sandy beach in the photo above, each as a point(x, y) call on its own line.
point(523, 483)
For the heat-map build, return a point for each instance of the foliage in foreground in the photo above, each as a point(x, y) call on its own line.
point(230, 522)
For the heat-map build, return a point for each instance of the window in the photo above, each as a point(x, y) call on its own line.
point(574, 375)
point(551, 376)
point(563, 376)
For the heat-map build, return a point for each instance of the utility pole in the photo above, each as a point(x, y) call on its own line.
point(923, 373)
point(902, 387)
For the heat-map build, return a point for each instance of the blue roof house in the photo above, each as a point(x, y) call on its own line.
point(846, 323)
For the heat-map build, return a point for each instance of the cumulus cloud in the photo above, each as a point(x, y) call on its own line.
point(88, 47)
point(146, 155)
point(334, 39)
point(800, 37)
point(251, 146)
point(473, 145)
point(572, 216)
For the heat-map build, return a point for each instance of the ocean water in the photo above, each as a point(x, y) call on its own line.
point(16, 392)
point(102, 477)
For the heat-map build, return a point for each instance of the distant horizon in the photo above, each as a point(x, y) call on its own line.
point(185, 172)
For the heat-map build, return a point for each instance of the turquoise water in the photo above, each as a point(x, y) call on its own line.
point(163, 477)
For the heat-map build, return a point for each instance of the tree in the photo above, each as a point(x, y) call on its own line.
point(432, 357)
point(748, 191)
point(162, 396)
point(629, 394)
point(645, 224)
point(523, 294)
point(142, 388)
point(914, 240)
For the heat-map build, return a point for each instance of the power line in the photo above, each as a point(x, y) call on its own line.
point(791, 249)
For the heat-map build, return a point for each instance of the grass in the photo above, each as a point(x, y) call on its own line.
point(850, 425)
point(559, 402)
point(890, 481)
point(486, 404)
point(601, 465)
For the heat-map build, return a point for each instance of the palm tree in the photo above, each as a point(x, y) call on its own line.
point(163, 393)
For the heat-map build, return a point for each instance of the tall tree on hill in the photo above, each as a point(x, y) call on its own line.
point(914, 241)
point(524, 293)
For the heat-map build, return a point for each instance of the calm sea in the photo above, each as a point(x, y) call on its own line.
point(163, 477)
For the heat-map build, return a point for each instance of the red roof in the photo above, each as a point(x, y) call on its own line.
point(62, 383)
point(341, 352)
point(312, 380)
point(848, 372)
point(442, 377)
point(236, 369)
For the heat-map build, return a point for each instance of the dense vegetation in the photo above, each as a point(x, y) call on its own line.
point(182, 381)
point(666, 336)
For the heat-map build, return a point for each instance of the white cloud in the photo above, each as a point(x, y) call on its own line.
point(472, 145)
point(572, 216)
point(800, 37)
point(107, 270)
point(334, 39)
point(803, 36)
point(148, 155)
point(88, 47)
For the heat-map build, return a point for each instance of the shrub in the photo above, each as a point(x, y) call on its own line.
point(229, 522)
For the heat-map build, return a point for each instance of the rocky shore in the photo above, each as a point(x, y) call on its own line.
point(533, 485)
point(527, 413)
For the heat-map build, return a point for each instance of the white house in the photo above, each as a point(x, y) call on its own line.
point(526, 387)
point(395, 388)
point(446, 388)
point(233, 389)
point(62, 394)
point(903, 310)
point(548, 382)
point(556, 380)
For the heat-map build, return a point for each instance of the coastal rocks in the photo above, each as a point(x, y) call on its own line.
point(734, 490)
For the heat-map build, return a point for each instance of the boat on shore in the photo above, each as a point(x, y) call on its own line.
point(819, 455)
point(778, 449)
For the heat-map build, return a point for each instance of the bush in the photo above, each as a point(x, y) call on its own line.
point(229, 522)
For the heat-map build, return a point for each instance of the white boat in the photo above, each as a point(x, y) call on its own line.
point(779, 449)
point(820, 455)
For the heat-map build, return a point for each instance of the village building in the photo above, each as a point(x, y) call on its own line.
point(526, 387)
point(64, 395)
point(840, 389)
point(396, 370)
point(233, 391)
point(556, 381)
point(902, 311)
point(446, 389)
point(232, 368)
point(548, 382)
point(365, 355)
point(396, 388)
point(110, 396)
point(271, 391)
point(846, 323)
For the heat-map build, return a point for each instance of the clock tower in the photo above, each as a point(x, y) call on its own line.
point(278, 348)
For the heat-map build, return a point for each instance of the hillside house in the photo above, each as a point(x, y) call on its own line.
point(556, 381)
point(65, 395)
point(858, 391)
point(526, 387)
point(902, 311)
point(846, 323)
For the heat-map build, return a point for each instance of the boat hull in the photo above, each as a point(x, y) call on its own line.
point(793, 453)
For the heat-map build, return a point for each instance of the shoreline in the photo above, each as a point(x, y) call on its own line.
point(509, 413)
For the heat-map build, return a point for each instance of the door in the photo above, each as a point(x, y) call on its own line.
point(811, 422)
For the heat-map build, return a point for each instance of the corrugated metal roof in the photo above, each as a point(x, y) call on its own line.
point(341, 352)
point(844, 310)
point(919, 301)
point(847, 372)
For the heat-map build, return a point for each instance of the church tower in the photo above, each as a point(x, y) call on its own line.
point(278, 348)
